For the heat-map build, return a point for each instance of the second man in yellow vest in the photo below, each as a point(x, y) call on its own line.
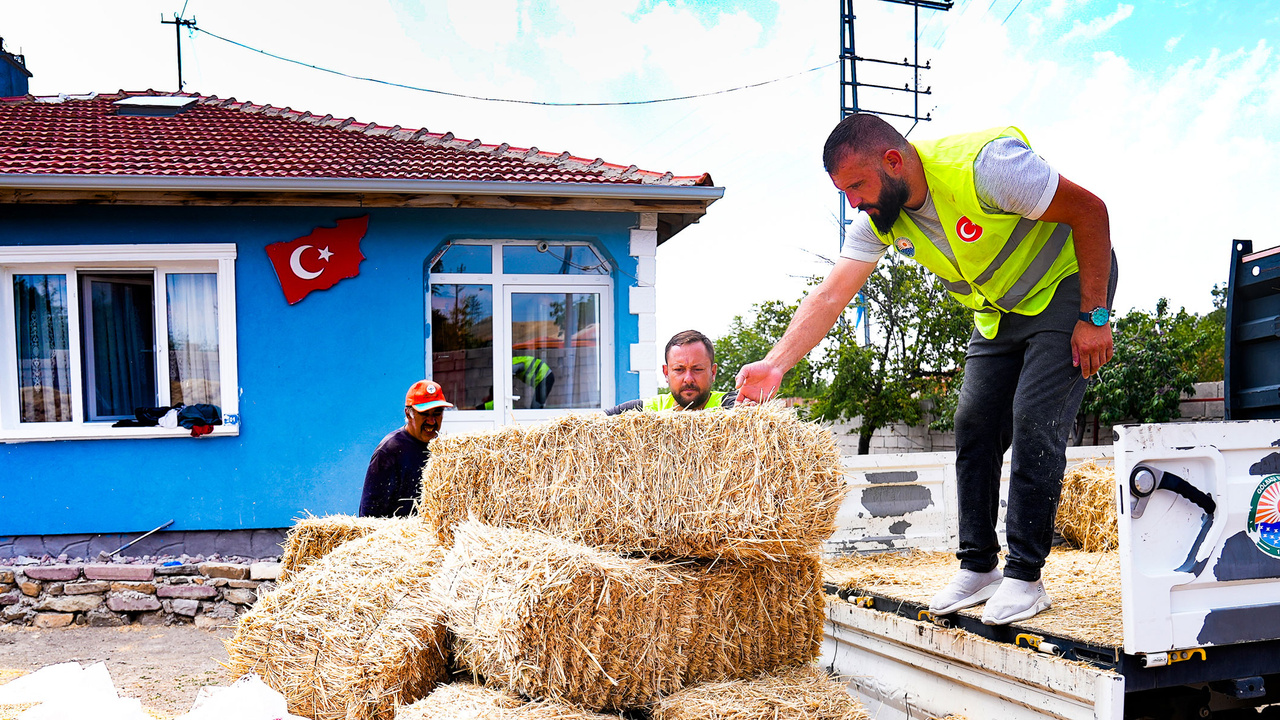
point(690, 367)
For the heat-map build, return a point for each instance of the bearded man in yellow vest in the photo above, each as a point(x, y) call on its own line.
point(1029, 252)
point(689, 362)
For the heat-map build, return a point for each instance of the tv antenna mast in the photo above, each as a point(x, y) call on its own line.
point(849, 100)
point(178, 23)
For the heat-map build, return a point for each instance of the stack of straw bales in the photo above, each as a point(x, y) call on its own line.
point(610, 562)
point(582, 566)
point(1087, 511)
point(312, 538)
point(353, 634)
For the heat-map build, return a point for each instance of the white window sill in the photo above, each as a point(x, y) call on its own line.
point(38, 432)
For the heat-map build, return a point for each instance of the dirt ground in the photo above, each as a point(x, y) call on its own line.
point(164, 667)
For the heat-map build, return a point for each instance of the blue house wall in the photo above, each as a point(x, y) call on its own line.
point(321, 381)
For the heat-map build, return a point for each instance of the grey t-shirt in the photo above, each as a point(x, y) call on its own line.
point(1008, 177)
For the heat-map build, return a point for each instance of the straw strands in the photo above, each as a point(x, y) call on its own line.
point(1084, 587)
point(1087, 511)
point(353, 634)
point(465, 701)
point(753, 483)
point(798, 693)
point(753, 616)
point(550, 619)
point(547, 618)
point(311, 538)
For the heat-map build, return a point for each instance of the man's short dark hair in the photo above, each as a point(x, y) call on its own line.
point(860, 133)
point(686, 337)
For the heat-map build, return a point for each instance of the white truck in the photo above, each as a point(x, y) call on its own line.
point(1198, 508)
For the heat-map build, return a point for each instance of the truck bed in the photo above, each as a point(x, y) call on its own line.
point(1085, 588)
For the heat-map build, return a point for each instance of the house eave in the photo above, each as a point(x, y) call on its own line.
point(183, 183)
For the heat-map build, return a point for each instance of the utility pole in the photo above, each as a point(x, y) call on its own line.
point(849, 104)
point(178, 23)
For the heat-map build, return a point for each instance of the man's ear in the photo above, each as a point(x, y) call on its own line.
point(714, 369)
point(892, 160)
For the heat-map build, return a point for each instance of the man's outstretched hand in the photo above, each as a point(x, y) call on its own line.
point(758, 382)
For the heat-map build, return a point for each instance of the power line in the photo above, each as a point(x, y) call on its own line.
point(1011, 12)
point(511, 100)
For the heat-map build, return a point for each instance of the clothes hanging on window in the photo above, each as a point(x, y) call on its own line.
point(147, 416)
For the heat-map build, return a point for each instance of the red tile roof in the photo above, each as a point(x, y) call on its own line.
point(84, 135)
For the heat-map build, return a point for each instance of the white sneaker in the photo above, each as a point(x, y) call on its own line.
point(966, 589)
point(1016, 600)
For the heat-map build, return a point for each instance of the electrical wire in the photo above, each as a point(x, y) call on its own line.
point(1011, 12)
point(512, 100)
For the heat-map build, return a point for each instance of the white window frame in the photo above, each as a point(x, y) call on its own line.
point(72, 261)
point(503, 284)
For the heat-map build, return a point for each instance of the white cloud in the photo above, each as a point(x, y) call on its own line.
point(1058, 8)
point(484, 24)
point(1097, 27)
point(1172, 43)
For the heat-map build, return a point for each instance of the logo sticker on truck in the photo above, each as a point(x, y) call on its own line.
point(1264, 516)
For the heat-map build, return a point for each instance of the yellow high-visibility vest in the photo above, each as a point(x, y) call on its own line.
point(992, 263)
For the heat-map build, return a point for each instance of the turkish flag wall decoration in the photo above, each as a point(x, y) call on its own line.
point(320, 260)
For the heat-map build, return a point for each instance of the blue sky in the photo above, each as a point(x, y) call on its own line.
point(1167, 109)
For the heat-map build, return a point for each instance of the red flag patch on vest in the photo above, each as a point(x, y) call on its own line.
point(967, 230)
point(320, 260)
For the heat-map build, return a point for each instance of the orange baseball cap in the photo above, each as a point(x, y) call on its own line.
point(426, 395)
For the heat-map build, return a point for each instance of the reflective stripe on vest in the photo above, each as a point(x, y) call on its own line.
point(991, 262)
point(667, 401)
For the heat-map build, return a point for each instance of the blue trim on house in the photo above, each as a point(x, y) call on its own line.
point(321, 381)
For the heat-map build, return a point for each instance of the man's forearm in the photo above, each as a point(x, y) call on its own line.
point(1093, 253)
point(1090, 225)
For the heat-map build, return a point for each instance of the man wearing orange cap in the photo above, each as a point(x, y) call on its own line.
point(394, 478)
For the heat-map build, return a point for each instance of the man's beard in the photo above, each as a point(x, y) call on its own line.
point(893, 195)
point(698, 401)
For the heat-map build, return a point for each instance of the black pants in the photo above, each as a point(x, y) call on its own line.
point(1021, 390)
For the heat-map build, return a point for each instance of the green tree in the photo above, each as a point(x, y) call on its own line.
point(750, 340)
point(1206, 334)
point(919, 335)
point(1151, 368)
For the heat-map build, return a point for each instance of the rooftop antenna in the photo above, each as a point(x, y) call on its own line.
point(178, 23)
point(849, 101)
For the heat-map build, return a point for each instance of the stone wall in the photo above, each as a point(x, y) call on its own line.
point(1204, 403)
point(207, 594)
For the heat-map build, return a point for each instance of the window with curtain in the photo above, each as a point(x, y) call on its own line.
point(90, 334)
point(119, 362)
point(44, 358)
point(193, 338)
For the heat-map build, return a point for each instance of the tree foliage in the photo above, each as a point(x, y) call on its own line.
point(1154, 364)
point(919, 335)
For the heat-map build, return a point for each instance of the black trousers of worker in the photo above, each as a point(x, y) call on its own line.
point(1021, 390)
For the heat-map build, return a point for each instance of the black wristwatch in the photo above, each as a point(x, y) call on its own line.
point(1097, 317)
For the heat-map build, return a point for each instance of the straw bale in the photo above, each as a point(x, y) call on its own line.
point(751, 617)
point(797, 693)
point(750, 483)
point(466, 701)
point(311, 538)
point(1087, 511)
point(353, 634)
point(1084, 586)
point(550, 619)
